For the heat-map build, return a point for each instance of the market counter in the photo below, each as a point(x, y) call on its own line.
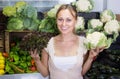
point(23, 76)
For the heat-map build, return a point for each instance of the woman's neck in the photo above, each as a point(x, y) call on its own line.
point(67, 37)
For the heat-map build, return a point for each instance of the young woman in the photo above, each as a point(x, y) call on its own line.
point(65, 56)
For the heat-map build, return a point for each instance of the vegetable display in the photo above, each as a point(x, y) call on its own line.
point(22, 16)
point(109, 29)
point(19, 61)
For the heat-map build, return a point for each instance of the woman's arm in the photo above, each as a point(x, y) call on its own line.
point(42, 65)
point(89, 59)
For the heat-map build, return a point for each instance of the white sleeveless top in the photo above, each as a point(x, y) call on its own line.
point(65, 63)
point(63, 67)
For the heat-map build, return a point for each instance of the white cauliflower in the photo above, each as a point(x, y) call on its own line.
point(107, 15)
point(96, 39)
point(95, 24)
point(112, 27)
point(84, 5)
point(80, 24)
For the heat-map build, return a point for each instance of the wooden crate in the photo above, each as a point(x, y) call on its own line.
point(9, 35)
point(1, 42)
point(7, 46)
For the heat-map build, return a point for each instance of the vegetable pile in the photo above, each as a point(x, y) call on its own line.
point(19, 61)
point(102, 34)
point(22, 16)
point(35, 40)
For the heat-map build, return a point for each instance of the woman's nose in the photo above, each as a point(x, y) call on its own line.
point(64, 23)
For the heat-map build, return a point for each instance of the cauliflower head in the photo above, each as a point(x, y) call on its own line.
point(80, 24)
point(112, 26)
point(84, 5)
point(107, 15)
point(95, 24)
point(96, 39)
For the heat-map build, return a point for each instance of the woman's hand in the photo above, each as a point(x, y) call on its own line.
point(94, 52)
point(34, 54)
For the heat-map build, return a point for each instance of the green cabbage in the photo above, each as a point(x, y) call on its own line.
point(52, 12)
point(15, 24)
point(9, 11)
point(20, 6)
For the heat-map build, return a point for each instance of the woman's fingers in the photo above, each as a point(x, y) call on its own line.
point(35, 51)
point(102, 48)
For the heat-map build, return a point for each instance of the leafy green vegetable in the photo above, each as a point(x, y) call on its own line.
point(34, 40)
point(20, 6)
point(15, 24)
point(22, 16)
point(52, 12)
point(30, 12)
point(9, 11)
point(48, 24)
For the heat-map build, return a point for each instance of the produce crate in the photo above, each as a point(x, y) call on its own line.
point(9, 35)
point(1, 42)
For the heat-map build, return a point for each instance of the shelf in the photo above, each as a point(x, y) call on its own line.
point(23, 76)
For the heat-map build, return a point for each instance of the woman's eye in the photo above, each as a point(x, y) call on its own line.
point(68, 20)
point(60, 19)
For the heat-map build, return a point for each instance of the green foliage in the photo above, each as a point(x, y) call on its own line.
point(19, 61)
point(107, 65)
point(48, 24)
point(35, 40)
point(15, 24)
point(9, 11)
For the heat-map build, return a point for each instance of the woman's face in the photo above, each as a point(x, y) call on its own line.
point(65, 21)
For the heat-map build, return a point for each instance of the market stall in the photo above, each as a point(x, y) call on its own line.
point(24, 27)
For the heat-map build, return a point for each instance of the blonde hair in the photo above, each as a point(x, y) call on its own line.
point(71, 8)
